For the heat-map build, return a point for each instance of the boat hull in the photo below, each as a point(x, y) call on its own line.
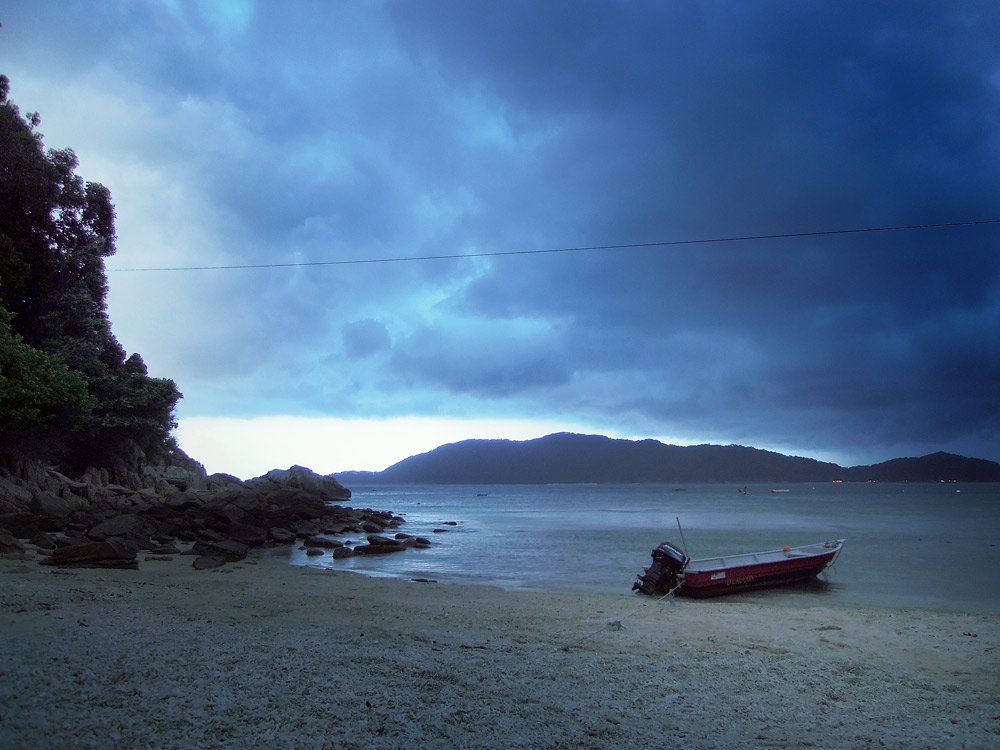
point(674, 572)
point(705, 583)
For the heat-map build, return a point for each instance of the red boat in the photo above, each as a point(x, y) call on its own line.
point(673, 571)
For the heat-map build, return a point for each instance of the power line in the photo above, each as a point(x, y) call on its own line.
point(545, 251)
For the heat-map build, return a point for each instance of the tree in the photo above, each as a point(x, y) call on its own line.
point(55, 231)
point(39, 391)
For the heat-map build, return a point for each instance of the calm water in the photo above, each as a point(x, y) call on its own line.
point(932, 546)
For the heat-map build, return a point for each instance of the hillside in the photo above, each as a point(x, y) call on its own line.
point(567, 459)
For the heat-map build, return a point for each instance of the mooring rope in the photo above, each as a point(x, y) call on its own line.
point(617, 624)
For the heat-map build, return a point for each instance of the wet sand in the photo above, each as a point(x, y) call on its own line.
point(263, 654)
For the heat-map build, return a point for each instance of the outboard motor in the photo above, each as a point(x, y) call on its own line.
point(661, 577)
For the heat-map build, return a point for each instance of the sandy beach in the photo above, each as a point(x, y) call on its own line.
point(262, 654)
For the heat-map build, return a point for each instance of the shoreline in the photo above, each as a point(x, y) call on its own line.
point(288, 656)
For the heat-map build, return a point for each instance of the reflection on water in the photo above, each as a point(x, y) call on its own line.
point(922, 545)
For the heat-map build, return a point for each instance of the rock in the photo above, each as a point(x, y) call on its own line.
point(13, 495)
point(378, 549)
point(373, 526)
point(223, 482)
point(305, 529)
point(314, 552)
point(323, 542)
point(47, 504)
point(21, 525)
point(383, 540)
point(228, 549)
point(110, 554)
point(43, 541)
point(281, 536)
point(10, 543)
point(341, 552)
point(253, 536)
point(185, 478)
point(421, 542)
point(181, 501)
point(122, 525)
point(207, 562)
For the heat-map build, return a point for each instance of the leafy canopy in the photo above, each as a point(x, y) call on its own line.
point(66, 386)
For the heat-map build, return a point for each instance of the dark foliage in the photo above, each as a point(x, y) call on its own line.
point(67, 391)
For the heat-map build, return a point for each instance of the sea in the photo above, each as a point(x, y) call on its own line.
point(933, 546)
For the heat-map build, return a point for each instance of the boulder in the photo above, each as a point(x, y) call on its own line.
point(183, 478)
point(13, 495)
point(121, 525)
point(376, 539)
point(230, 550)
point(305, 529)
point(223, 482)
point(10, 543)
point(22, 525)
point(378, 549)
point(43, 541)
point(47, 504)
point(281, 536)
point(113, 553)
point(341, 552)
point(322, 542)
point(253, 536)
point(207, 562)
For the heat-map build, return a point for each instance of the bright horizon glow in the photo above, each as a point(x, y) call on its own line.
point(251, 447)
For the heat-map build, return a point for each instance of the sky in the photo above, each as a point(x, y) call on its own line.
point(360, 136)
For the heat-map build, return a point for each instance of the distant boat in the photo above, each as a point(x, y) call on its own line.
point(779, 490)
point(673, 571)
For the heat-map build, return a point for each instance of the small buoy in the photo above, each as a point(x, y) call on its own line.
point(786, 548)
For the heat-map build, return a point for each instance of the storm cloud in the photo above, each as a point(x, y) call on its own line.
point(254, 133)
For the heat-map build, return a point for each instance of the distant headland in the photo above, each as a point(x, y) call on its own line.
point(566, 458)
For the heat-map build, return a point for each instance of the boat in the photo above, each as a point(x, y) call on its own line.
point(673, 571)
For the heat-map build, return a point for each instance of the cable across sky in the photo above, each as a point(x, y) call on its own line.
point(545, 251)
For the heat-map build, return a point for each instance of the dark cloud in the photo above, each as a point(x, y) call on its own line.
point(362, 338)
point(311, 132)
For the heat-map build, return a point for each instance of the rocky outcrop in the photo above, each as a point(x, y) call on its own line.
point(300, 478)
point(95, 522)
